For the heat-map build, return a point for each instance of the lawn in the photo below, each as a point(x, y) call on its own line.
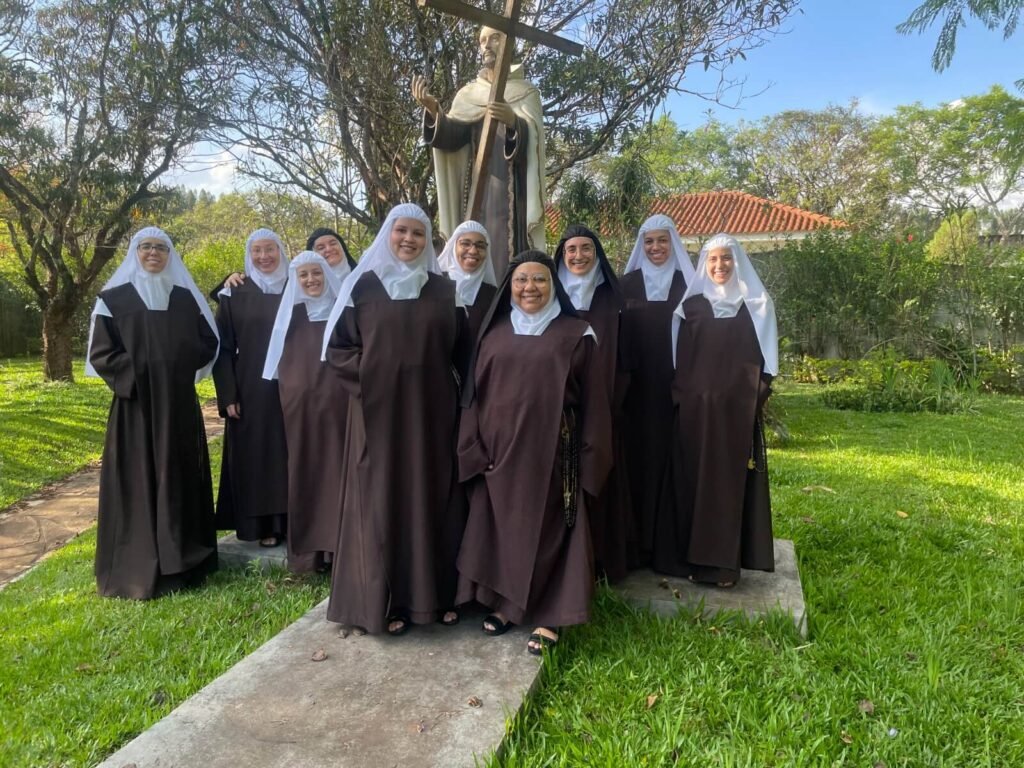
point(910, 543)
point(49, 430)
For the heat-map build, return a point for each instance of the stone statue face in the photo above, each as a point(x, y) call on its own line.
point(490, 42)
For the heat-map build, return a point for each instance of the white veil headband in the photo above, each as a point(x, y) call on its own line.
point(744, 287)
point(317, 308)
point(467, 285)
point(154, 290)
point(272, 283)
point(658, 279)
point(402, 281)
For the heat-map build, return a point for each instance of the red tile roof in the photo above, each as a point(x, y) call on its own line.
point(705, 214)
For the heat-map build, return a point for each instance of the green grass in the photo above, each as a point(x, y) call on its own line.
point(49, 430)
point(81, 675)
point(920, 615)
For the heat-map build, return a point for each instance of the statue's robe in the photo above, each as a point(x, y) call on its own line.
point(646, 331)
point(400, 531)
point(721, 517)
point(253, 495)
point(156, 527)
point(314, 403)
point(514, 198)
point(519, 557)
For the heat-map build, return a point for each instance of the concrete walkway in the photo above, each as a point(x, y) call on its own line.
point(34, 527)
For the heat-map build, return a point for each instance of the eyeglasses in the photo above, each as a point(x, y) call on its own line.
point(520, 281)
point(477, 245)
point(158, 247)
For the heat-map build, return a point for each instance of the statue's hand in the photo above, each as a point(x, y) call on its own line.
point(499, 110)
point(421, 92)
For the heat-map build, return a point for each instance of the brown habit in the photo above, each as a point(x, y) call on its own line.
point(648, 412)
point(253, 494)
point(156, 531)
point(478, 309)
point(722, 516)
point(504, 220)
point(315, 407)
point(399, 532)
point(518, 556)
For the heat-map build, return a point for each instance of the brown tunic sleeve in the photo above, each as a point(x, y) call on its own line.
point(207, 342)
point(345, 351)
point(441, 132)
point(224, 369)
point(595, 439)
point(110, 358)
point(516, 139)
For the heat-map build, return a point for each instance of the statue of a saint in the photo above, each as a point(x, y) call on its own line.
point(513, 208)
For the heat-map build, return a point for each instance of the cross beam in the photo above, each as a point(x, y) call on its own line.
point(509, 24)
point(503, 23)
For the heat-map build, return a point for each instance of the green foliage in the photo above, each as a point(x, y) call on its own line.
point(843, 292)
point(992, 13)
point(886, 384)
point(956, 235)
point(821, 161)
point(968, 152)
point(700, 160)
point(50, 429)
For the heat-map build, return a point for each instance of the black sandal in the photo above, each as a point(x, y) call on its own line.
point(538, 643)
point(499, 627)
point(400, 630)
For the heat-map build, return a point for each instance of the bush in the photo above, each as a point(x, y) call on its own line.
point(885, 383)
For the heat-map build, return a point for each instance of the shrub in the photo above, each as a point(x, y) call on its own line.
point(885, 383)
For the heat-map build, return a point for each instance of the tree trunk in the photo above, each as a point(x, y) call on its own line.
point(58, 337)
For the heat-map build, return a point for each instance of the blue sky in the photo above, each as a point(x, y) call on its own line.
point(841, 49)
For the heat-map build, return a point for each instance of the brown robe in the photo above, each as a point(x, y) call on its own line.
point(722, 512)
point(648, 411)
point(506, 179)
point(399, 531)
point(315, 407)
point(156, 531)
point(518, 556)
point(478, 310)
point(611, 519)
point(253, 494)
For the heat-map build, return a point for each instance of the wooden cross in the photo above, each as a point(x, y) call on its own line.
point(509, 24)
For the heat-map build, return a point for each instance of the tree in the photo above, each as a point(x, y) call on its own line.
point(100, 98)
point(326, 104)
point(817, 160)
point(701, 160)
point(991, 13)
point(959, 155)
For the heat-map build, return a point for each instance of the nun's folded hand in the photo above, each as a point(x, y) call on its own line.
point(234, 280)
point(235, 410)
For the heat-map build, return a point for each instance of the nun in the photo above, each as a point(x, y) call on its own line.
point(658, 271)
point(593, 288)
point(395, 337)
point(253, 495)
point(534, 452)
point(327, 243)
point(152, 337)
point(314, 405)
point(466, 259)
point(726, 353)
